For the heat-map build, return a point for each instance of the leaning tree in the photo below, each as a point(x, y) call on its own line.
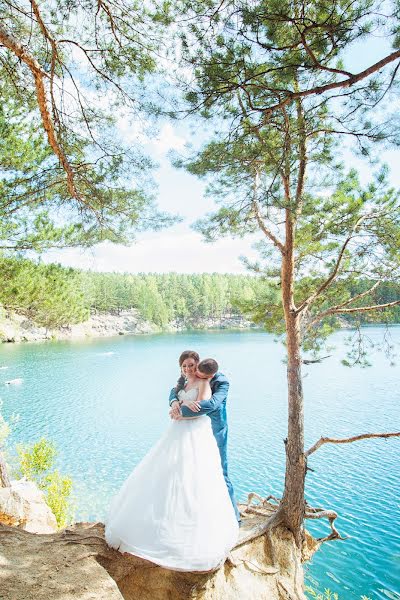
point(271, 81)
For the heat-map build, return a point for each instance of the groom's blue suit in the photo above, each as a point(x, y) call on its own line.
point(215, 408)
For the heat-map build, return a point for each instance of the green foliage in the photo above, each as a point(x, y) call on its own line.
point(28, 184)
point(325, 595)
point(162, 298)
point(51, 295)
point(36, 463)
point(272, 160)
point(58, 489)
point(36, 460)
point(55, 296)
point(95, 186)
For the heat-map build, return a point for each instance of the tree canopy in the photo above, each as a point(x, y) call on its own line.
point(73, 79)
point(272, 80)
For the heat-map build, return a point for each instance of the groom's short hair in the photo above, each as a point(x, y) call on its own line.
point(208, 366)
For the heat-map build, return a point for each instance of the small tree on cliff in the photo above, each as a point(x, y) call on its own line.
point(272, 74)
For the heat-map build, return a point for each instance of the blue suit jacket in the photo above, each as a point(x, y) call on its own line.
point(215, 408)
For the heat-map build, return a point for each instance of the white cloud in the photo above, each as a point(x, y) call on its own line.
point(163, 252)
point(131, 131)
point(167, 140)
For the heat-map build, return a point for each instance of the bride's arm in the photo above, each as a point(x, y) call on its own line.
point(203, 394)
point(220, 392)
point(204, 390)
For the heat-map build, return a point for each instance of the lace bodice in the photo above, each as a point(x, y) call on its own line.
point(189, 395)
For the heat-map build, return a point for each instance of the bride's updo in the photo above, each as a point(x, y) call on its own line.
point(185, 354)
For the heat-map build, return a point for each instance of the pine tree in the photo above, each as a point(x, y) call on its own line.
point(270, 79)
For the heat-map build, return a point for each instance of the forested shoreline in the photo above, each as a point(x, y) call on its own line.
point(54, 296)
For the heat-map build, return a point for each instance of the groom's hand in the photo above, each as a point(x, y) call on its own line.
point(175, 412)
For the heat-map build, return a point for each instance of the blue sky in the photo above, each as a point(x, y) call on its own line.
point(179, 248)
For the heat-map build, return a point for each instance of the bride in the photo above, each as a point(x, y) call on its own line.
point(174, 508)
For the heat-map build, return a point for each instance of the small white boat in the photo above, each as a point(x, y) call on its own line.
point(3, 368)
point(14, 381)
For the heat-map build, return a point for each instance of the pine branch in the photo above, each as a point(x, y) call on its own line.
point(336, 308)
point(10, 42)
point(367, 308)
point(351, 80)
point(334, 271)
point(267, 232)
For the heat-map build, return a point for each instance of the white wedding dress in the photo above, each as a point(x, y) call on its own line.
point(174, 508)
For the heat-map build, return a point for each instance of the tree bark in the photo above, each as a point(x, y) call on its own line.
point(292, 508)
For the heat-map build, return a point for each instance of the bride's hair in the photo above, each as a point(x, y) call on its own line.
point(185, 354)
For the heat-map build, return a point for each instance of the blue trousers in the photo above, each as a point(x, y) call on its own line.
point(221, 437)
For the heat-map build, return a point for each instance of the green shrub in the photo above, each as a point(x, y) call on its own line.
point(325, 595)
point(36, 464)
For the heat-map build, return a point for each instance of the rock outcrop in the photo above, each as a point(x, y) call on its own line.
point(17, 328)
point(77, 564)
point(223, 322)
point(23, 505)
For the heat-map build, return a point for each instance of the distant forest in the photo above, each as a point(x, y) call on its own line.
point(55, 296)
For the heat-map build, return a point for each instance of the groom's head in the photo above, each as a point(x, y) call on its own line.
point(207, 368)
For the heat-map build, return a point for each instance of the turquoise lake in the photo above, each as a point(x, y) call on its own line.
point(104, 403)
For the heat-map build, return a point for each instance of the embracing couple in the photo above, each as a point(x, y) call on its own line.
point(177, 508)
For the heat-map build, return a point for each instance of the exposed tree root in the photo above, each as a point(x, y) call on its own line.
point(264, 508)
point(331, 515)
point(273, 518)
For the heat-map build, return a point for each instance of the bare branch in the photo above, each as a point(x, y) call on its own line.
point(333, 311)
point(356, 438)
point(307, 361)
point(367, 308)
point(267, 232)
point(331, 515)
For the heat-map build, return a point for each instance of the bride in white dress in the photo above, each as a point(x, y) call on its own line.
point(174, 508)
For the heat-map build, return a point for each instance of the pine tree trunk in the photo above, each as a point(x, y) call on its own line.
point(293, 506)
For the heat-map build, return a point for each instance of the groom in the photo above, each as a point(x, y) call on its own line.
point(215, 408)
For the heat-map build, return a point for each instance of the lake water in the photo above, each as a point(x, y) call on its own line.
point(104, 403)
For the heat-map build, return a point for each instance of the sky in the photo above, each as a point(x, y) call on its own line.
point(179, 248)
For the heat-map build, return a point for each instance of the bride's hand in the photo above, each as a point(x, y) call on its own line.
point(175, 411)
point(193, 405)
